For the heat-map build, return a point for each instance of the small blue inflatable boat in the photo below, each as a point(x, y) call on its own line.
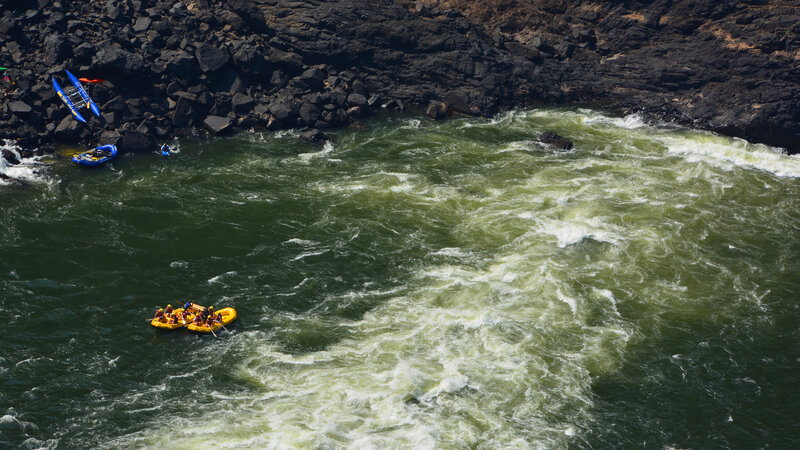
point(95, 157)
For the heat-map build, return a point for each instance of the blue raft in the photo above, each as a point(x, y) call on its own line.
point(76, 98)
point(96, 157)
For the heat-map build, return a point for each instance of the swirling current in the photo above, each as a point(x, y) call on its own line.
point(412, 284)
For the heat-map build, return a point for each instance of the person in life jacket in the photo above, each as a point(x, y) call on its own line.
point(209, 321)
point(198, 320)
point(172, 319)
point(168, 310)
point(159, 314)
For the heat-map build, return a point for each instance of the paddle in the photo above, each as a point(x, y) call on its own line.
point(212, 332)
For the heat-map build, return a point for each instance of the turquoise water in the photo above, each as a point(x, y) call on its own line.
point(414, 284)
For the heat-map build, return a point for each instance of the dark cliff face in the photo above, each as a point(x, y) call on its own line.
point(728, 66)
point(221, 65)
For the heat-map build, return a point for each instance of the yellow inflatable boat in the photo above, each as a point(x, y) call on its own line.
point(228, 316)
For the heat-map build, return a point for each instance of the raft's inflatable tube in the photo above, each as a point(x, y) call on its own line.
point(89, 159)
point(171, 326)
point(228, 316)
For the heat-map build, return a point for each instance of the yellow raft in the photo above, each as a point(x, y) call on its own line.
point(172, 326)
point(228, 316)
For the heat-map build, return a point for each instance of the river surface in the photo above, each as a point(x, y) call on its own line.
point(414, 284)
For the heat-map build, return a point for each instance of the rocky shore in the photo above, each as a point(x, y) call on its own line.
point(175, 68)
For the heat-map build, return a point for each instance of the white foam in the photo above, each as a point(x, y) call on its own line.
point(218, 278)
point(303, 242)
point(327, 149)
point(27, 170)
point(728, 153)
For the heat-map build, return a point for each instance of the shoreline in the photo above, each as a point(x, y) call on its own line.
point(174, 69)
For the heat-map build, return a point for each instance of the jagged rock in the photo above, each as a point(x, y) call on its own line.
point(290, 62)
point(135, 141)
point(313, 78)
point(552, 139)
point(19, 107)
point(183, 113)
point(109, 137)
point(314, 136)
point(67, 129)
point(116, 61)
point(242, 103)
point(142, 24)
point(356, 100)
point(309, 113)
point(284, 109)
point(222, 105)
point(211, 58)
point(218, 125)
point(436, 109)
point(10, 156)
point(249, 60)
point(462, 102)
point(180, 64)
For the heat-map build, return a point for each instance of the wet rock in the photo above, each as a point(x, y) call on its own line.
point(135, 141)
point(436, 109)
point(218, 125)
point(552, 139)
point(314, 136)
point(10, 156)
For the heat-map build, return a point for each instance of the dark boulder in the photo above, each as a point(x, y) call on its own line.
point(552, 139)
point(314, 136)
point(289, 62)
point(313, 78)
point(68, 129)
point(212, 58)
point(309, 113)
point(284, 108)
point(356, 100)
point(463, 102)
point(180, 64)
point(19, 107)
point(136, 141)
point(115, 61)
point(250, 13)
point(183, 113)
point(242, 103)
point(10, 156)
point(218, 125)
point(249, 60)
point(142, 24)
point(436, 109)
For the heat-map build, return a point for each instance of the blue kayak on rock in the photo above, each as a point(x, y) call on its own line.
point(76, 98)
point(96, 157)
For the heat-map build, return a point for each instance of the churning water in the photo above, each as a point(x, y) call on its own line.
point(416, 284)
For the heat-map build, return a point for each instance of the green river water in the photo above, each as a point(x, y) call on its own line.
point(414, 284)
